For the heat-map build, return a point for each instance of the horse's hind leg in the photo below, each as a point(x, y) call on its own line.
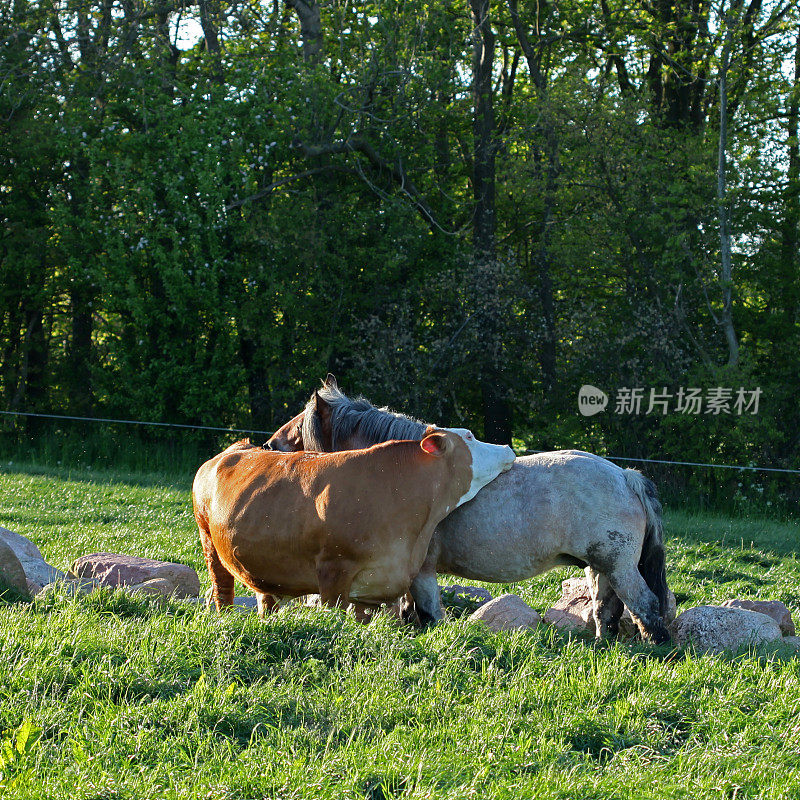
point(221, 579)
point(631, 588)
point(606, 606)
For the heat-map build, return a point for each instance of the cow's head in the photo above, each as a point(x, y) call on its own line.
point(486, 461)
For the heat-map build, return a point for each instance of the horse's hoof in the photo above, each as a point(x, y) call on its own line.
point(660, 635)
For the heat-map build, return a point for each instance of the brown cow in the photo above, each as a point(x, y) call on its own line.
point(352, 526)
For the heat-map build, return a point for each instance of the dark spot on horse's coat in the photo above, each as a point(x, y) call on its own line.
point(606, 555)
point(620, 541)
point(601, 557)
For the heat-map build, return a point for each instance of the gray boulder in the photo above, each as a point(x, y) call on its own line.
point(37, 571)
point(464, 597)
point(159, 587)
point(12, 575)
point(715, 629)
point(772, 608)
point(245, 603)
point(507, 613)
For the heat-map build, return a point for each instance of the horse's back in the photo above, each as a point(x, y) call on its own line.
point(547, 505)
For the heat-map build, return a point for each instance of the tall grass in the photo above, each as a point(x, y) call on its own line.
point(126, 697)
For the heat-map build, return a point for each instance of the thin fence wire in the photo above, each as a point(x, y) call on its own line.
point(686, 463)
point(269, 433)
point(137, 422)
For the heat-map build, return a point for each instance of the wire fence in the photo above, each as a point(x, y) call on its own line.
point(267, 434)
point(92, 443)
point(135, 422)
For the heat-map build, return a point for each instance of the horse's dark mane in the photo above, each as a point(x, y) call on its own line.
point(349, 416)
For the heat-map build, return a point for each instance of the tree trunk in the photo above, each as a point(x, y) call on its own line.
point(80, 351)
point(547, 128)
point(257, 383)
point(31, 381)
point(496, 409)
point(483, 123)
point(209, 16)
point(310, 28)
point(83, 294)
point(791, 220)
point(726, 318)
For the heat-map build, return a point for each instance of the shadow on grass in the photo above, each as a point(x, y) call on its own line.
point(759, 541)
point(722, 575)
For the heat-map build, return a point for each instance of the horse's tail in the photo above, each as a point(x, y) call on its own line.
point(652, 562)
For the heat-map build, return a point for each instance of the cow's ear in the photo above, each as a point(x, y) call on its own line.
point(330, 381)
point(435, 444)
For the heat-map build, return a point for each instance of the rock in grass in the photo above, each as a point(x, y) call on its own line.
point(772, 608)
point(715, 629)
point(507, 613)
point(115, 569)
point(573, 610)
point(37, 570)
point(245, 603)
point(12, 575)
point(465, 597)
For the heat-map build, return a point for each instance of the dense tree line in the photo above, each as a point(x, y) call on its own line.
point(463, 210)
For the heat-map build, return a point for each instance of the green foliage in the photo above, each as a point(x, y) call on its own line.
point(199, 235)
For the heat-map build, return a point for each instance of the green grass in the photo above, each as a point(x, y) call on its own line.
point(140, 699)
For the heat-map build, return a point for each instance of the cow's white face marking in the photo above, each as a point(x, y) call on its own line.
point(488, 461)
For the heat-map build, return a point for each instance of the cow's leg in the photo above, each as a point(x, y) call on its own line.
point(221, 579)
point(365, 613)
point(427, 599)
point(606, 606)
point(407, 611)
point(631, 588)
point(266, 603)
point(335, 579)
point(362, 612)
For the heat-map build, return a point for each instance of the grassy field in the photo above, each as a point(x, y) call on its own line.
point(110, 696)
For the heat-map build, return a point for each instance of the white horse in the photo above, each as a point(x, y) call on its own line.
point(560, 508)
